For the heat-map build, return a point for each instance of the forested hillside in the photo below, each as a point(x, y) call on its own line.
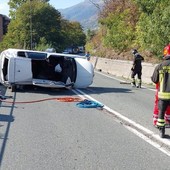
point(122, 26)
point(128, 24)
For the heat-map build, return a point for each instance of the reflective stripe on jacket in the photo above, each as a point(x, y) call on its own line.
point(162, 75)
point(164, 80)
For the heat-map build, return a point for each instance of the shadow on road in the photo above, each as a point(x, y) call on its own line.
point(9, 119)
point(6, 118)
point(167, 136)
point(44, 90)
point(108, 90)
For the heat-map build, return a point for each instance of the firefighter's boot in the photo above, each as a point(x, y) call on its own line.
point(161, 126)
point(133, 83)
point(139, 82)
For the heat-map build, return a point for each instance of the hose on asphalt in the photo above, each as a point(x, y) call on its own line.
point(89, 104)
point(60, 99)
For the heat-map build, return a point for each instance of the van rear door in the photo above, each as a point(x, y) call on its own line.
point(23, 71)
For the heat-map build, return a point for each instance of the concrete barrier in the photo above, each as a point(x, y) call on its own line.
point(122, 68)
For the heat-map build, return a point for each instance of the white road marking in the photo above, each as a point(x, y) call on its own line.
point(144, 133)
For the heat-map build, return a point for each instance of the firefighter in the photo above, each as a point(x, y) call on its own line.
point(161, 75)
point(136, 69)
point(156, 110)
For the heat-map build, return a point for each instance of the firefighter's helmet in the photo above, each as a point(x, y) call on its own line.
point(166, 51)
point(134, 51)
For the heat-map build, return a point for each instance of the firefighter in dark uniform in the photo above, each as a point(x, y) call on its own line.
point(136, 69)
point(161, 75)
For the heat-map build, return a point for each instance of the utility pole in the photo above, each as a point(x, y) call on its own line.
point(31, 47)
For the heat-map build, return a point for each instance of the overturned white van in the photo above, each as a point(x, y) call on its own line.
point(55, 70)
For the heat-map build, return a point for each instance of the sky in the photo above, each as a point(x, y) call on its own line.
point(58, 4)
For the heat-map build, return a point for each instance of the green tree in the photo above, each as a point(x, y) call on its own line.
point(120, 24)
point(147, 6)
point(43, 45)
point(90, 34)
point(29, 26)
point(10, 40)
point(153, 29)
point(15, 4)
point(46, 22)
point(73, 34)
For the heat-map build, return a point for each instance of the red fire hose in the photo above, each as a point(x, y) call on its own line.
point(60, 99)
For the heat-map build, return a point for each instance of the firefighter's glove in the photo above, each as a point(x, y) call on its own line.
point(132, 69)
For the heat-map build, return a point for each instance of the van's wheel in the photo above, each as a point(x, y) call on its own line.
point(13, 88)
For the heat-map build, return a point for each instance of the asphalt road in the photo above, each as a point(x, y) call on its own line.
point(54, 135)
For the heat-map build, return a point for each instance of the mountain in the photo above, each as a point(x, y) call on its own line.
point(85, 12)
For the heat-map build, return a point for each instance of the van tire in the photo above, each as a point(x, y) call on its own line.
point(13, 88)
